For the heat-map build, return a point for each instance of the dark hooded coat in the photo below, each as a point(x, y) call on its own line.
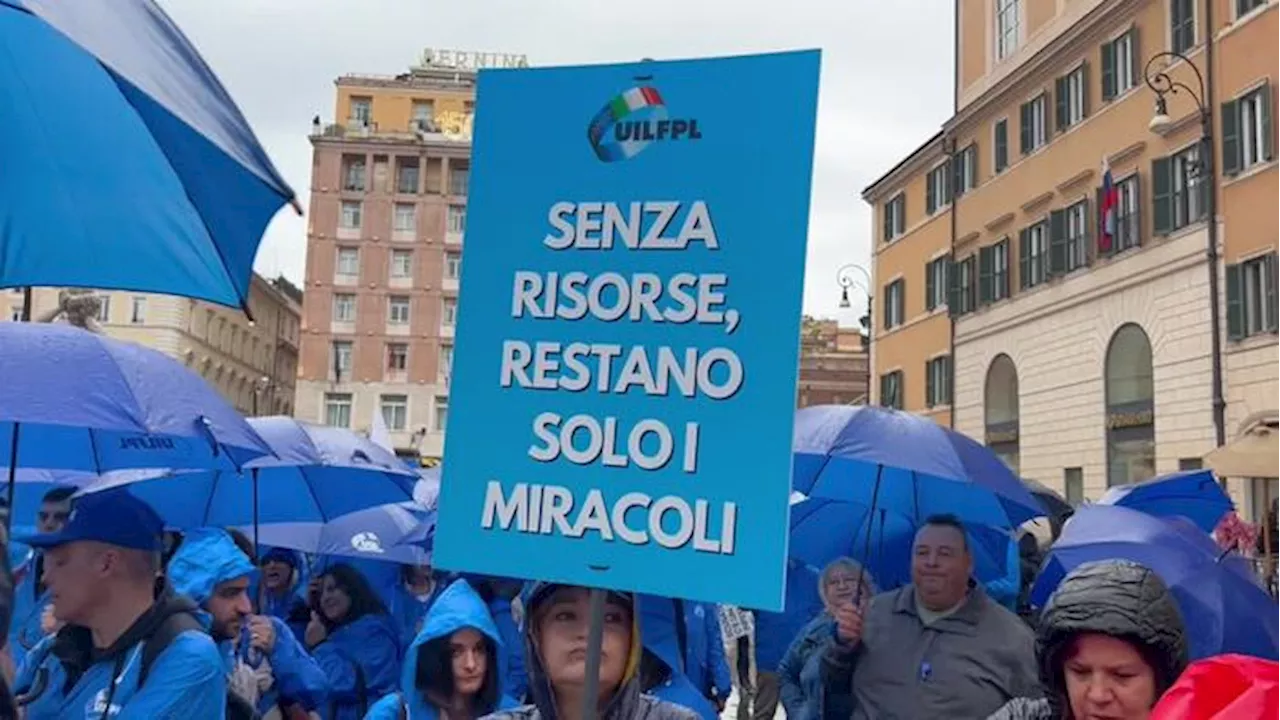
point(1117, 598)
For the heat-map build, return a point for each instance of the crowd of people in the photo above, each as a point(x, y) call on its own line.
point(112, 617)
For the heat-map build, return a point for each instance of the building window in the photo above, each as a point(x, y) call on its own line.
point(937, 192)
point(442, 413)
point(1073, 486)
point(935, 283)
point(1000, 410)
point(1033, 251)
point(407, 175)
point(452, 265)
point(1251, 297)
point(395, 411)
point(964, 286)
point(1178, 197)
point(449, 312)
point(337, 409)
point(398, 310)
point(993, 272)
point(1127, 231)
point(891, 390)
point(1189, 464)
point(361, 113)
point(1032, 127)
point(1130, 419)
point(457, 219)
point(405, 218)
point(344, 308)
point(15, 312)
point(138, 312)
point(966, 169)
point(397, 357)
point(351, 214)
point(401, 263)
point(348, 261)
point(1007, 28)
point(446, 360)
point(1182, 25)
point(424, 113)
point(1246, 131)
point(1071, 96)
point(104, 311)
point(341, 360)
point(1000, 143)
point(895, 217)
point(459, 181)
point(1244, 7)
point(1118, 69)
point(353, 175)
point(937, 386)
point(1068, 238)
point(895, 304)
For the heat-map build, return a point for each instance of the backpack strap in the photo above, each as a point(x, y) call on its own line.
point(163, 636)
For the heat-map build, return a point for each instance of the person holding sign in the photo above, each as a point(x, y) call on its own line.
point(557, 619)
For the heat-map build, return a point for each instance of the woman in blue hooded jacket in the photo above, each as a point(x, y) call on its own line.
point(354, 641)
point(453, 667)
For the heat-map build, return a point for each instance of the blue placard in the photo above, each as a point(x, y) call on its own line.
point(624, 375)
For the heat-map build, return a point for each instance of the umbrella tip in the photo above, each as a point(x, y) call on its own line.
point(297, 206)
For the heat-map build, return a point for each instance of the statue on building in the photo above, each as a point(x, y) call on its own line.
point(78, 307)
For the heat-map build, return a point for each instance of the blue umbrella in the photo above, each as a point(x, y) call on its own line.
point(1194, 494)
point(910, 465)
point(126, 163)
point(74, 400)
point(317, 474)
point(427, 490)
point(1223, 606)
point(372, 534)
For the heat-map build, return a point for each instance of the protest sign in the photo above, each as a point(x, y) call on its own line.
point(624, 375)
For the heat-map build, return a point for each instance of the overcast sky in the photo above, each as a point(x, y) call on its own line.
point(886, 79)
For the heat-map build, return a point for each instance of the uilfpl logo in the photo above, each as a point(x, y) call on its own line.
point(631, 121)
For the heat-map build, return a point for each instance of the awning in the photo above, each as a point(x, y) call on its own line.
point(1255, 453)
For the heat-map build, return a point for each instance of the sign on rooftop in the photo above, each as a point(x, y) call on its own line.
point(471, 59)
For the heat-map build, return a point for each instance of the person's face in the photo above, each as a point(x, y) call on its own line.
point(52, 516)
point(73, 574)
point(470, 661)
point(940, 566)
point(229, 605)
point(562, 639)
point(1107, 679)
point(420, 574)
point(276, 575)
point(840, 586)
point(334, 601)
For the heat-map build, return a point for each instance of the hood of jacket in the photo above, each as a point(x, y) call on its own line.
point(1118, 598)
point(625, 703)
point(459, 606)
point(207, 558)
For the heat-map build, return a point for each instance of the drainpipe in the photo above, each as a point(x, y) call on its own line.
point(949, 145)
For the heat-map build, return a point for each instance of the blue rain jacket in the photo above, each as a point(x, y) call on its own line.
point(456, 608)
point(776, 631)
point(704, 663)
point(28, 607)
point(515, 682)
point(406, 609)
point(361, 663)
point(209, 557)
point(1005, 590)
point(291, 607)
point(799, 673)
point(187, 680)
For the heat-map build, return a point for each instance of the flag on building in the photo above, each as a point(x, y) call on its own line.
point(1107, 206)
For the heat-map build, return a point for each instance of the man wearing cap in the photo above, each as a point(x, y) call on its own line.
point(101, 569)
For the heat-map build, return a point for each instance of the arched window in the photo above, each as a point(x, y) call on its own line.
point(1131, 417)
point(1001, 407)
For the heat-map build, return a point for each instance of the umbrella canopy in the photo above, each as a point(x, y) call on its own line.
point(1223, 606)
point(1056, 507)
point(1256, 453)
point(126, 163)
point(315, 475)
point(1193, 494)
point(878, 457)
point(374, 533)
point(74, 400)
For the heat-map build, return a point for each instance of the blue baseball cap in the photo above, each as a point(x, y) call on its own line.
point(114, 517)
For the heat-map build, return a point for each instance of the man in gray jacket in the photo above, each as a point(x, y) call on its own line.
point(937, 648)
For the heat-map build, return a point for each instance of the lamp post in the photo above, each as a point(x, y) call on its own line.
point(846, 277)
point(1205, 170)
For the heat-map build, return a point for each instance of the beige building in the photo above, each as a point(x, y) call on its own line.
point(834, 365)
point(253, 364)
point(1086, 359)
point(384, 251)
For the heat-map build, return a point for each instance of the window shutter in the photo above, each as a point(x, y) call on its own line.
point(1002, 145)
point(957, 174)
point(953, 289)
point(948, 187)
point(1235, 303)
point(888, 306)
point(900, 300)
point(929, 386)
point(971, 292)
point(1084, 89)
point(1135, 55)
point(973, 164)
point(1265, 93)
point(1024, 257)
point(1136, 222)
point(1060, 104)
point(1270, 279)
point(1098, 220)
point(1232, 155)
point(1108, 71)
point(887, 220)
point(1004, 277)
point(930, 285)
point(1024, 128)
point(1162, 195)
point(985, 279)
point(1057, 242)
point(1090, 229)
point(930, 203)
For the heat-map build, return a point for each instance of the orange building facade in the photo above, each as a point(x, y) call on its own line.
point(1081, 351)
